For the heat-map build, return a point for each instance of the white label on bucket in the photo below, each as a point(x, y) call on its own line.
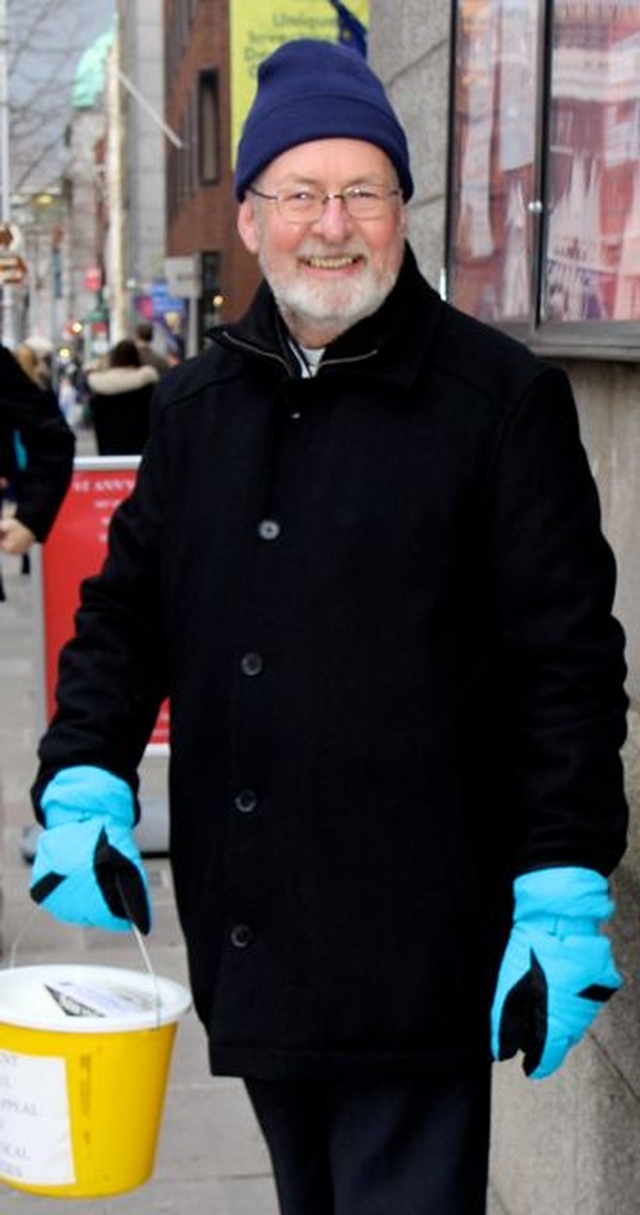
point(35, 1127)
point(82, 1000)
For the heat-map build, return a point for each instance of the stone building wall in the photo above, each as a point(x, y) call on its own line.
point(569, 1145)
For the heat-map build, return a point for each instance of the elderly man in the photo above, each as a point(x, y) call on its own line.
point(363, 558)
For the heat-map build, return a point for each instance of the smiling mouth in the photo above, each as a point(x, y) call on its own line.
point(343, 262)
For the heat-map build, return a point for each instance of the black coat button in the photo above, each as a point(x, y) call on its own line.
point(245, 801)
point(268, 529)
point(251, 664)
point(241, 936)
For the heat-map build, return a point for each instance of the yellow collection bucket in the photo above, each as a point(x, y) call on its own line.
point(84, 1060)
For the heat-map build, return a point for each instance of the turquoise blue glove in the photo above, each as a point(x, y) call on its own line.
point(87, 869)
point(557, 970)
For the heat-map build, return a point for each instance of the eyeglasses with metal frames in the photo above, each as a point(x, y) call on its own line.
point(306, 206)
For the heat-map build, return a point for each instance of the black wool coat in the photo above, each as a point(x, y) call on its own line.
point(119, 403)
point(380, 601)
point(49, 443)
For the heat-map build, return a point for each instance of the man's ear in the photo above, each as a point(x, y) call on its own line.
point(247, 227)
point(404, 220)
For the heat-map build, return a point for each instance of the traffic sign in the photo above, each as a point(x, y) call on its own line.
point(184, 276)
point(10, 238)
point(13, 270)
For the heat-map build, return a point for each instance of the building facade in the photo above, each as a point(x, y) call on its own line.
point(201, 208)
point(84, 190)
point(143, 157)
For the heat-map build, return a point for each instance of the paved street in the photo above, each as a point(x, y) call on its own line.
point(210, 1160)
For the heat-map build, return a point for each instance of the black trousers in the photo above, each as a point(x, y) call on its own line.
point(377, 1147)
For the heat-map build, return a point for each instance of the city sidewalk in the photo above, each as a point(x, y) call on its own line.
point(210, 1160)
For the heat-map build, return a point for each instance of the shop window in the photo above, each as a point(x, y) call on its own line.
point(209, 127)
point(212, 301)
point(544, 219)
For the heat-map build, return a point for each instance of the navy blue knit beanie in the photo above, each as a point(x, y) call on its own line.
point(308, 89)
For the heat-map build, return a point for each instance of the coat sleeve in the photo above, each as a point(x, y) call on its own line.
point(48, 441)
point(112, 673)
point(562, 667)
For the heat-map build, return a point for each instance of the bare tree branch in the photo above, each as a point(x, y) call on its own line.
point(46, 41)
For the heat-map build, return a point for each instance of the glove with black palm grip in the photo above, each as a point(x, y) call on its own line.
point(557, 969)
point(87, 869)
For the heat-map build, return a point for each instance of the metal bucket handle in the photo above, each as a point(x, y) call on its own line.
point(37, 907)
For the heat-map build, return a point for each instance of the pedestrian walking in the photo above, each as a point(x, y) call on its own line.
point(363, 557)
point(39, 352)
point(149, 356)
point(119, 400)
point(36, 458)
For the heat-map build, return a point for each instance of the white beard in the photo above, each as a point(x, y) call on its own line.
point(335, 306)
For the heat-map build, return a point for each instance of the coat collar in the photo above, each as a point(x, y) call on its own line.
point(110, 381)
point(392, 344)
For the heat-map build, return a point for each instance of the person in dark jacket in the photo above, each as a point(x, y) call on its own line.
point(149, 356)
point(36, 458)
point(364, 559)
point(119, 398)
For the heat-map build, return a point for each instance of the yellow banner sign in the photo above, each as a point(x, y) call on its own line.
point(257, 27)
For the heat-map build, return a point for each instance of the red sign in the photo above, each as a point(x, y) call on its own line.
point(75, 549)
point(93, 278)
